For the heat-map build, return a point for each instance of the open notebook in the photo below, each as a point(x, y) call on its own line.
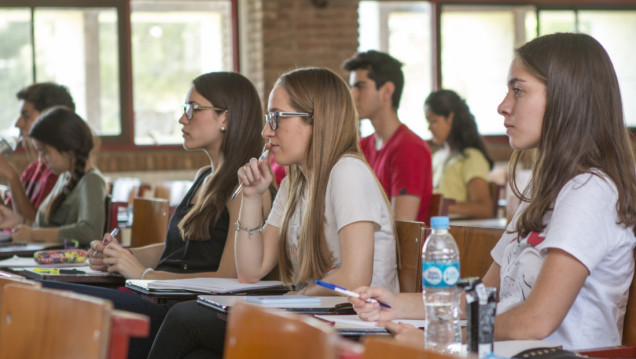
point(203, 285)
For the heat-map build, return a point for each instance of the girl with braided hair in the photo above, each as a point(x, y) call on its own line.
point(75, 207)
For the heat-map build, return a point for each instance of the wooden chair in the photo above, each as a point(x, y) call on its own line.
point(7, 278)
point(475, 244)
point(173, 191)
point(150, 221)
point(382, 348)
point(47, 323)
point(439, 205)
point(256, 332)
point(629, 325)
point(497, 193)
point(410, 238)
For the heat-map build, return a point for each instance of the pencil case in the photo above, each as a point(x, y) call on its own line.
point(61, 256)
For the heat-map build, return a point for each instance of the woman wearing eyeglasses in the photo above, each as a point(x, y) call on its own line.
point(330, 219)
point(223, 118)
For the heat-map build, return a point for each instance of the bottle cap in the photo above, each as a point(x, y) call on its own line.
point(439, 222)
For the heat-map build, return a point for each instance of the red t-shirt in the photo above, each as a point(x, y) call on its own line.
point(403, 166)
point(37, 180)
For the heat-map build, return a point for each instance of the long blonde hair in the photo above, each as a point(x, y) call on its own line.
point(326, 96)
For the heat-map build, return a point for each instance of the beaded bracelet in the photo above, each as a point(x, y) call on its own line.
point(146, 271)
point(249, 230)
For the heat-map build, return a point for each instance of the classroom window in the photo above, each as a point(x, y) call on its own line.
point(402, 29)
point(88, 46)
point(172, 43)
point(77, 47)
point(476, 45)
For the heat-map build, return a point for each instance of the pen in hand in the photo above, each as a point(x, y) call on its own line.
point(240, 187)
point(105, 241)
point(348, 293)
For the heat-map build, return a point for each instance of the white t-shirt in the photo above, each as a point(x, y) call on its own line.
point(583, 223)
point(353, 195)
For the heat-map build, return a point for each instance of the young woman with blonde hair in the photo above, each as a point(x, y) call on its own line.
point(330, 219)
point(564, 266)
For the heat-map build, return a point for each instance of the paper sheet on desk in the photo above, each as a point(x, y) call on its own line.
point(24, 262)
point(352, 320)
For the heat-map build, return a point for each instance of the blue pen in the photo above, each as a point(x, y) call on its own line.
point(348, 293)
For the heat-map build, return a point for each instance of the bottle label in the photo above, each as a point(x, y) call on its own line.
point(440, 275)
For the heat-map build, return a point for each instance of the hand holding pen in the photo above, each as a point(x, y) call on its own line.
point(251, 173)
point(349, 293)
point(95, 255)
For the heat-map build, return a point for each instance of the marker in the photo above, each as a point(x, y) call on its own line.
point(348, 293)
point(57, 271)
point(240, 187)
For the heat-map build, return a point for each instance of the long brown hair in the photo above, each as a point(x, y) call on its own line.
point(583, 126)
point(242, 140)
point(323, 94)
point(64, 130)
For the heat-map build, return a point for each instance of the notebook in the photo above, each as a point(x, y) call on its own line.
point(319, 305)
point(192, 286)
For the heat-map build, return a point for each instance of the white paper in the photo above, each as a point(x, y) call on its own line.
point(24, 262)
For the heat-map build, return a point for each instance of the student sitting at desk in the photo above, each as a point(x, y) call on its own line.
point(330, 219)
point(564, 266)
point(29, 189)
point(461, 166)
point(223, 118)
point(75, 208)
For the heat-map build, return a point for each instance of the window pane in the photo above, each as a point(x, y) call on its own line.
point(15, 64)
point(402, 29)
point(557, 21)
point(79, 48)
point(616, 31)
point(172, 43)
point(476, 50)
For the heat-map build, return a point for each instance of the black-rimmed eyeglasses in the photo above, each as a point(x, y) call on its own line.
point(272, 118)
point(190, 108)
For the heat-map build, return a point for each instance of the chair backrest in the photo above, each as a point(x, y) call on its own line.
point(382, 348)
point(439, 205)
point(497, 193)
point(475, 244)
point(629, 325)
point(265, 333)
point(150, 221)
point(410, 238)
point(9, 278)
point(46, 323)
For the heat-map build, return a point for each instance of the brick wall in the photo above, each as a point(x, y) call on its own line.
point(285, 34)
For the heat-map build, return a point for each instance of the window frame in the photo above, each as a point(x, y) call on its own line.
point(570, 5)
point(126, 139)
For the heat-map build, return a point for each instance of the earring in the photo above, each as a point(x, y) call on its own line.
point(222, 129)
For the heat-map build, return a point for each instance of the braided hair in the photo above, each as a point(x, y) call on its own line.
point(62, 129)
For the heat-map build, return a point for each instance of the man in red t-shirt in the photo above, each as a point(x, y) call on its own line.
point(400, 159)
point(28, 190)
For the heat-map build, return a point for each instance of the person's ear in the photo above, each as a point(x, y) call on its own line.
point(387, 91)
point(224, 119)
point(449, 118)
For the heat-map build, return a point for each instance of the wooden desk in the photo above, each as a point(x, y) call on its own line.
point(499, 223)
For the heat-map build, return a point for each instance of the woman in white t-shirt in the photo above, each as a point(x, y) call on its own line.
point(564, 266)
point(330, 219)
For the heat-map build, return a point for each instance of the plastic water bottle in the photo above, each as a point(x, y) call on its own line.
point(440, 273)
